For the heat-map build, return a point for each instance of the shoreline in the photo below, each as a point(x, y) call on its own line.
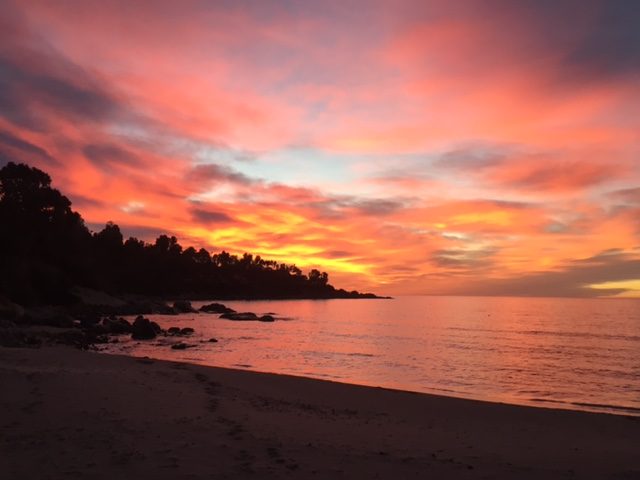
point(582, 407)
point(103, 416)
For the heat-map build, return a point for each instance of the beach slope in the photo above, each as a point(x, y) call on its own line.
point(71, 414)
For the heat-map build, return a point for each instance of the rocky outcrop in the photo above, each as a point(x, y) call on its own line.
point(116, 325)
point(247, 317)
point(242, 316)
point(144, 329)
point(183, 306)
point(216, 308)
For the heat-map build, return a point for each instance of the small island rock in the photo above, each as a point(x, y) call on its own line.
point(216, 308)
point(144, 329)
point(243, 316)
point(183, 306)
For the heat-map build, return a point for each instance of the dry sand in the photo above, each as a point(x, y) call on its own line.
point(66, 414)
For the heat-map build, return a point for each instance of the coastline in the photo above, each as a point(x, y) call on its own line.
point(101, 416)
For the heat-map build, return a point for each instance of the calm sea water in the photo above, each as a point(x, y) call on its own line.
point(581, 354)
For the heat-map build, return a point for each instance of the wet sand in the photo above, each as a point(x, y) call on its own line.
point(71, 414)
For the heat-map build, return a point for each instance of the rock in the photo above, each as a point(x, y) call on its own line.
point(186, 331)
point(60, 321)
point(97, 329)
point(145, 307)
point(10, 310)
point(7, 323)
point(174, 331)
point(216, 308)
point(16, 337)
point(267, 318)
point(243, 316)
point(89, 320)
point(181, 346)
point(144, 329)
point(183, 306)
point(162, 308)
point(116, 325)
point(76, 338)
point(213, 340)
point(49, 316)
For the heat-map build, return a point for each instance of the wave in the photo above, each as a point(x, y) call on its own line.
point(555, 333)
point(598, 406)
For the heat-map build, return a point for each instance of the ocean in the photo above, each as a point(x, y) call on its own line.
point(581, 354)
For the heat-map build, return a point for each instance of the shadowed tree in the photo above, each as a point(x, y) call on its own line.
point(45, 249)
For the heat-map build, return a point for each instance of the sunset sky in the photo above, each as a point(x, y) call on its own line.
point(405, 147)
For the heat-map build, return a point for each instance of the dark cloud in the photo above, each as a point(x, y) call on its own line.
point(597, 39)
point(38, 83)
point(627, 195)
point(208, 216)
point(463, 259)
point(80, 201)
point(512, 205)
point(208, 173)
point(30, 98)
point(518, 167)
point(343, 206)
point(25, 97)
point(338, 254)
point(13, 148)
point(109, 155)
point(563, 175)
point(612, 44)
point(478, 156)
point(374, 206)
point(571, 281)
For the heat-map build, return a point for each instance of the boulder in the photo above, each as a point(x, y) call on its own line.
point(183, 306)
point(186, 331)
point(16, 337)
point(213, 340)
point(49, 316)
point(59, 320)
point(243, 316)
point(174, 331)
point(156, 328)
point(10, 310)
point(216, 308)
point(144, 329)
point(116, 325)
point(97, 329)
point(267, 318)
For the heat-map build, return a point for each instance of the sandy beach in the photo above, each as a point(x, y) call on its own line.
point(71, 414)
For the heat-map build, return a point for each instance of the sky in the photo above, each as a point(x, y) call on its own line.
point(486, 147)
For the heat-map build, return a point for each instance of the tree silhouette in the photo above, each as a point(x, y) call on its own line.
point(46, 249)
